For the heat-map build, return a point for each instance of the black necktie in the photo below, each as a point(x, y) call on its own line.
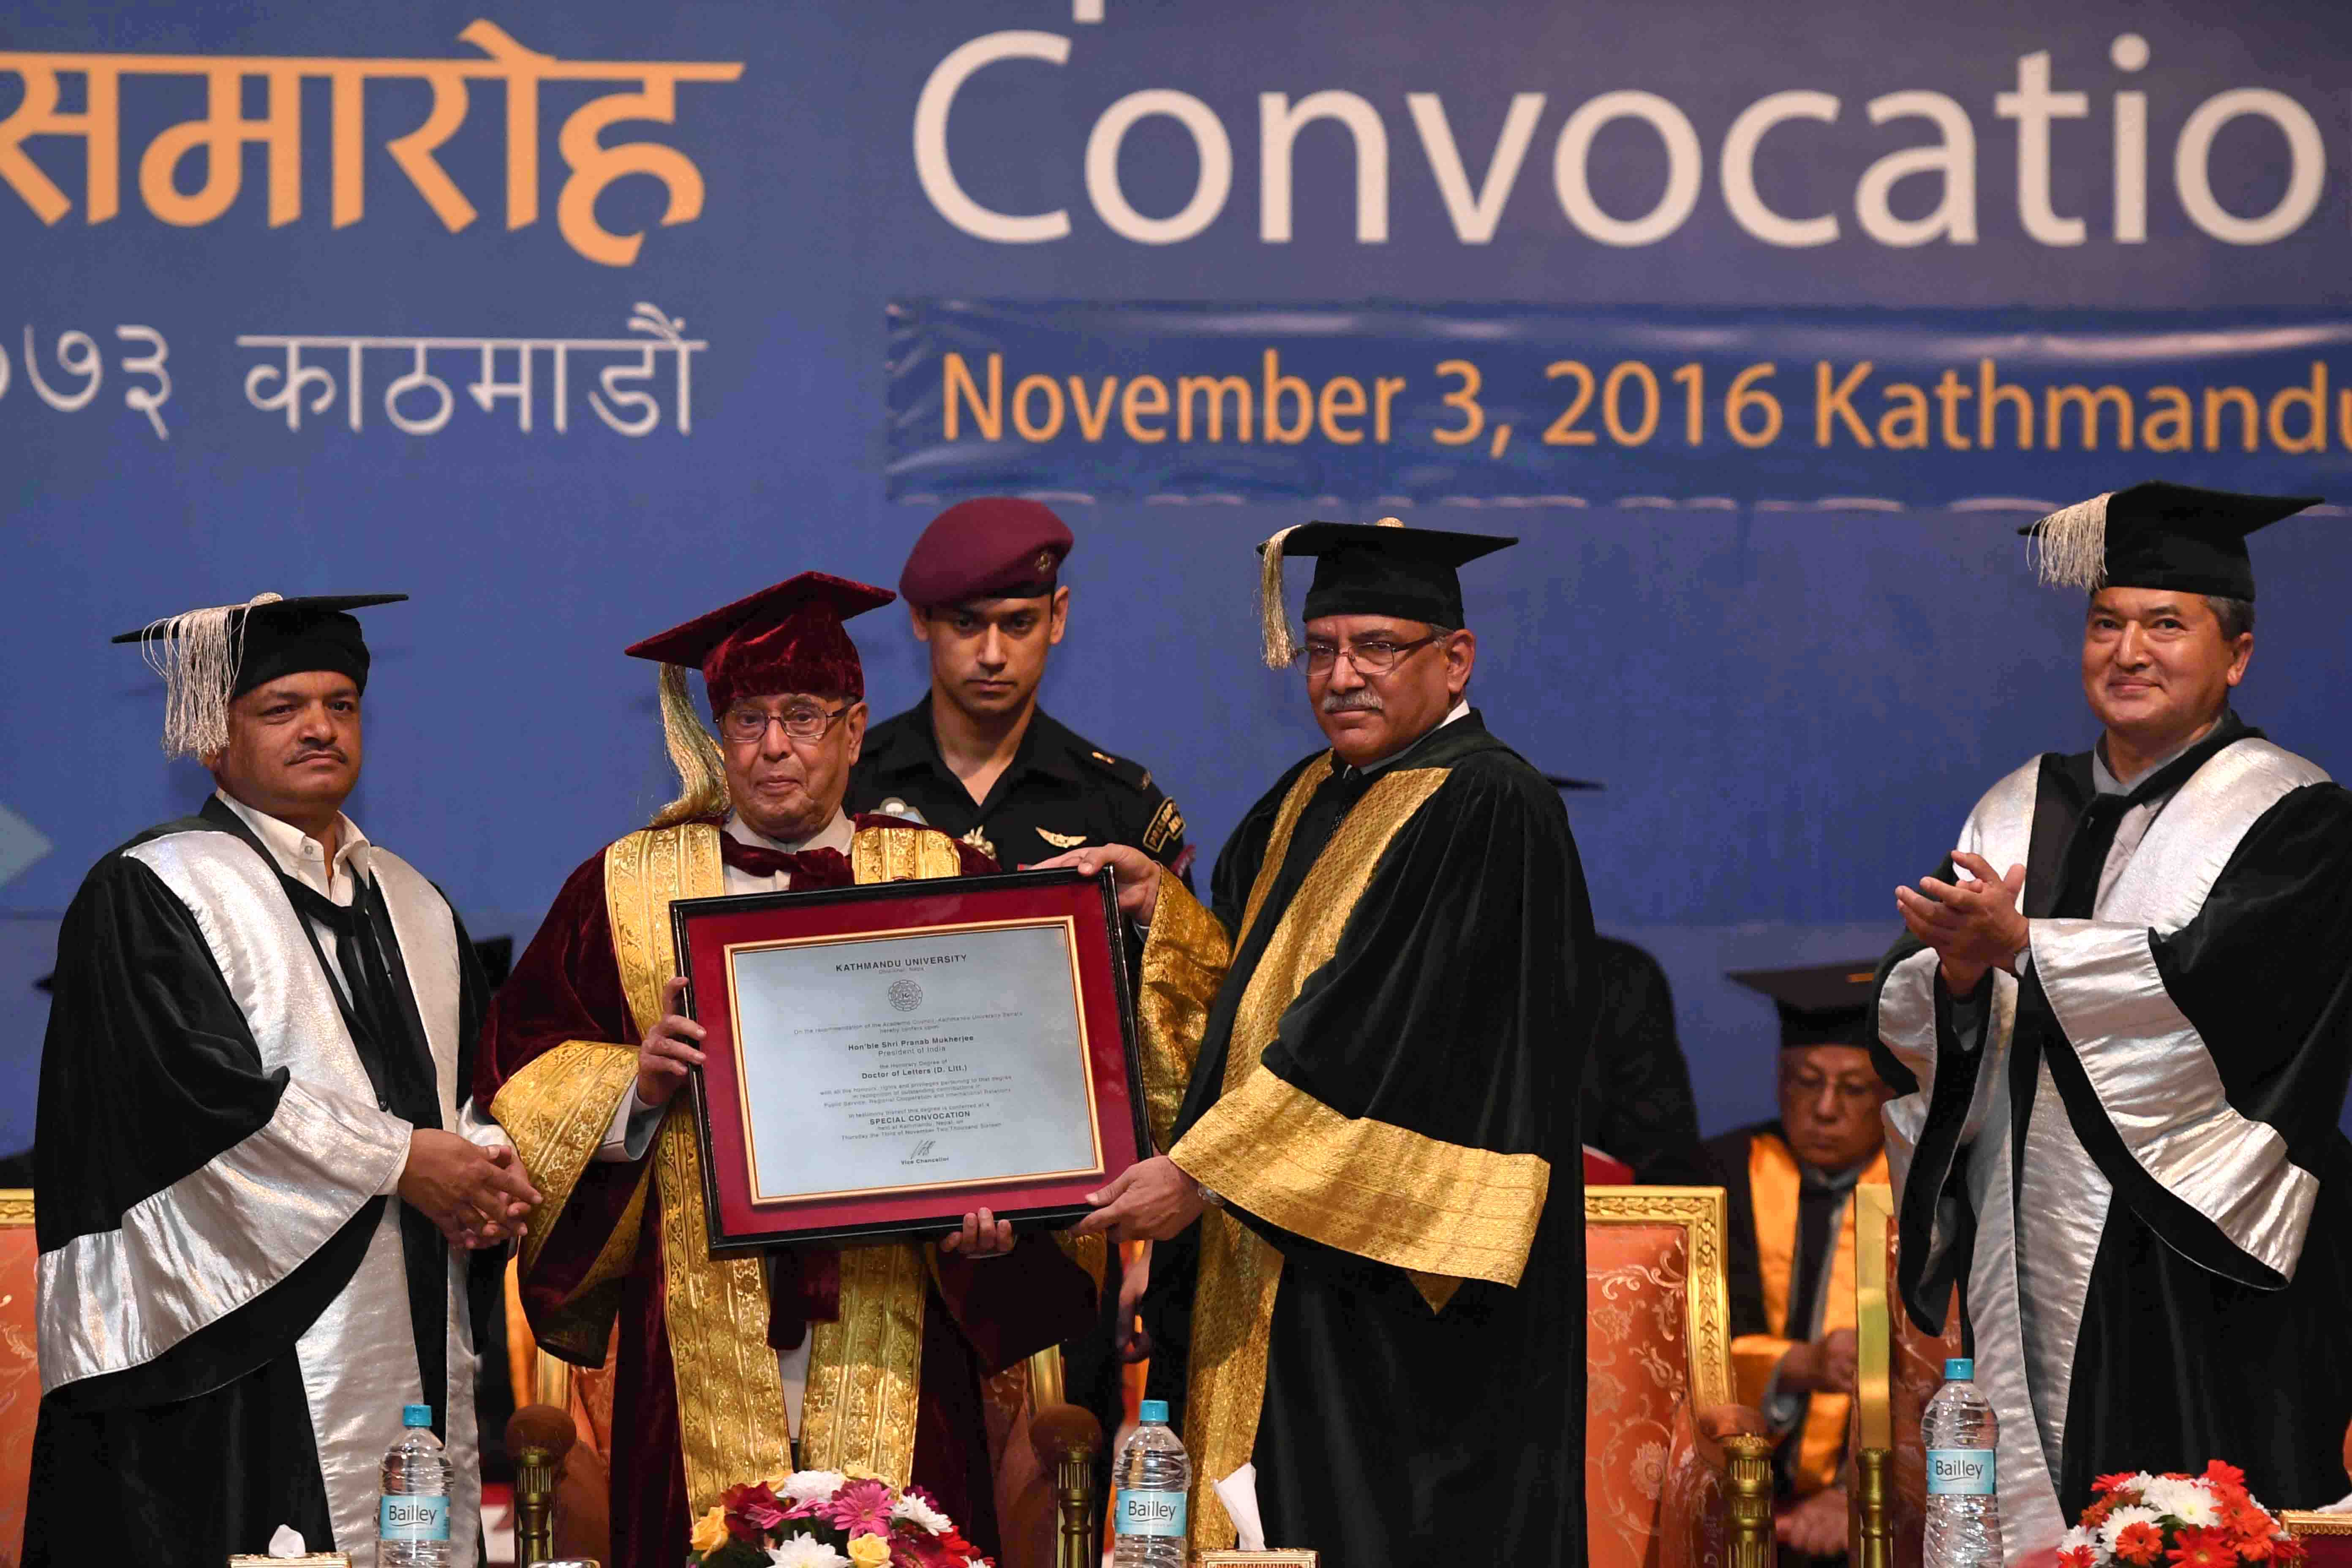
point(396, 1062)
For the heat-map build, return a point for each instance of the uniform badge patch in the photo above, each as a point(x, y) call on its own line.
point(1061, 840)
point(1165, 829)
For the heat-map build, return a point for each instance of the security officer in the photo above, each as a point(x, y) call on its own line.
point(979, 759)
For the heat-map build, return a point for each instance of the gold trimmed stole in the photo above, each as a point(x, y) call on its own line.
point(857, 1413)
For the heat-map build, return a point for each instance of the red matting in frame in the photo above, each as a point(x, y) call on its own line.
point(706, 927)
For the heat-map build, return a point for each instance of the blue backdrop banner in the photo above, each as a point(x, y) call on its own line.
point(1398, 404)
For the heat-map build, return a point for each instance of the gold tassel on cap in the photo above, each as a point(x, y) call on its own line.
point(1281, 648)
point(694, 751)
point(2068, 548)
point(196, 653)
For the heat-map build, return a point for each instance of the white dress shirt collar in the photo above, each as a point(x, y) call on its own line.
point(1461, 710)
point(303, 857)
point(834, 835)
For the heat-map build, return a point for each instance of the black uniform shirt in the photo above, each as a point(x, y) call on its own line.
point(1059, 791)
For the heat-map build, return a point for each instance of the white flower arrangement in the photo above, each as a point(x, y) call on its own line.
point(805, 1550)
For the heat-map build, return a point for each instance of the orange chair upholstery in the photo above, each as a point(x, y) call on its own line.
point(20, 1369)
point(1658, 1378)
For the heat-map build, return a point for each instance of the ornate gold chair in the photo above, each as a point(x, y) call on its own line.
point(20, 1372)
point(1658, 1378)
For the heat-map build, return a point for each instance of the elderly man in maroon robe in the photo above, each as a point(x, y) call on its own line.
point(870, 1356)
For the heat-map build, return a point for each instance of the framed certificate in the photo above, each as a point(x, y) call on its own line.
point(882, 1060)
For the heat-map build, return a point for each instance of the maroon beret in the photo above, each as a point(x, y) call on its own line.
point(992, 547)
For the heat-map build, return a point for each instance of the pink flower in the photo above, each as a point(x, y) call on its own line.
point(861, 1508)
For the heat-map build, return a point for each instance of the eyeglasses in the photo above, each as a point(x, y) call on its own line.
point(1374, 656)
point(749, 726)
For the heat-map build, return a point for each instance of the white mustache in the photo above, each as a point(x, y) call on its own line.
point(1360, 702)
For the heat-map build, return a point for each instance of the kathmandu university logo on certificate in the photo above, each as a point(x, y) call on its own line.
point(905, 995)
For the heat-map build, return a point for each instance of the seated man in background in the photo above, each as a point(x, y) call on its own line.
point(1790, 1249)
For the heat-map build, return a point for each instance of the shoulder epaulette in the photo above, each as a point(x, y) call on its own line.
point(1135, 775)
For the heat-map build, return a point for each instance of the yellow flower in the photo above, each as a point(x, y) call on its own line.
point(709, 1532)
point(868, 1550)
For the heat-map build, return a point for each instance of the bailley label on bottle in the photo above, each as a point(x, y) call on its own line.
point(1963, 1472)
point(1144, 1513)
point(412, 1518)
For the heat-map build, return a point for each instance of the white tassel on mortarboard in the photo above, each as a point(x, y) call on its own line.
point(2068, 548)
point(196, 652)
point(1281, 648)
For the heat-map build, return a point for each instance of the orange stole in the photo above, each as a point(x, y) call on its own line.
point(1772, 1186)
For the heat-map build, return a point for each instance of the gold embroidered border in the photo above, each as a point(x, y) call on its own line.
point(1277, 844)
point(556, 1109)
point(1185, 957)
point(643, 874)
point(1239, 1273)
point(731, 1397)
point(864, 1367)
point(1369, 1187)
point(15, 1206)
point(902, 855)
point(1707, 1290)
point(731, 1419)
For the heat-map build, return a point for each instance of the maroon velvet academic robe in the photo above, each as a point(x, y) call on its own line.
point(981, 1316)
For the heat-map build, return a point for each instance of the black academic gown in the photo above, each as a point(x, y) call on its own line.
point(151, 1073)
point(1637, 1088)
point(1456, 1006)
point(2172, 1085)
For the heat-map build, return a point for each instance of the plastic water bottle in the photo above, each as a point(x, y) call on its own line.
point(1959, 1433)
point(411, 1528)
point(1152, 1476)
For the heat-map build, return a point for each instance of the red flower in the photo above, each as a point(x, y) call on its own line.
point(2096, 1514)
point(2195, 1548)
point(2286, 1552)
point(2107, 1484)
point(2078, 1557)
point(2226, 1476)
point(2139, 1543)
point(751, 1511)
point(2245, 1517)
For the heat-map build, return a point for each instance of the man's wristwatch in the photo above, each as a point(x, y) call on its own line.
point(1209, 1194)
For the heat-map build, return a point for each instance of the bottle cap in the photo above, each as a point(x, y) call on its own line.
point(1960, 1369)
point(416, 1416)
point(1154, 1410)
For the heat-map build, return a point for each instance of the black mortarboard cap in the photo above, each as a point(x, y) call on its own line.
point(1369, 568)
point(210, 658)
point(2157, 535)
point(1821, 1003)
